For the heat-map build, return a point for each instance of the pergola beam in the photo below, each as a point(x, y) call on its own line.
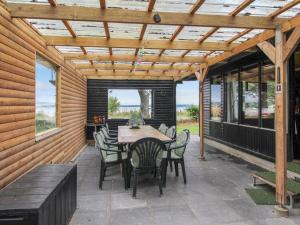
point(132, 77)
point(268, 49)
point(291, 43)
point(126, 66)
point(146, 58)
point(130, 73)
point(134, 43)
point(79, 13)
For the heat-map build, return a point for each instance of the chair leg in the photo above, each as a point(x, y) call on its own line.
point(164, 172)
point(135, 175)
point(124, 173)
point(183, 171)
point(176, 168)
point(160, 183)
point(101, 178)
point(128, 172)
point(104, 175)
point(171, 166)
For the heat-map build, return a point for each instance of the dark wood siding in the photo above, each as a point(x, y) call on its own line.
point(206, 106)
point(164, 100)
point(254, 140)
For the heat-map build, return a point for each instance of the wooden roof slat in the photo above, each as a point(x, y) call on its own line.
point(102, 4)
point(69, 28)
point(284, 8)
point(196, 6)
point(79, 13)
point(244, 32)
point(151, 5)
point(144, 27)
point(53, 3)
point(241, 7)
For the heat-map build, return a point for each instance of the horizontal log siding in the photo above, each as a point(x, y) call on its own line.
point(19, 152)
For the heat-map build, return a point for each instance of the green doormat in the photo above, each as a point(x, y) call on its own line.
point(294, 167)
point(262, 196)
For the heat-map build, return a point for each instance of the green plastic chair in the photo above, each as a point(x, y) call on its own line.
point(147, 157)
point(163, 128)
point(111, 154)
point(176, 152)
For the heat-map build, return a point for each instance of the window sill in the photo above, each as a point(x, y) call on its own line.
point(46, 134)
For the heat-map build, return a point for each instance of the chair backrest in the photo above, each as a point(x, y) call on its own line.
point(182, 139)
point(171, 132)
point(105, 132)
point(163, 128)
point(147, 153)
point(99, 143)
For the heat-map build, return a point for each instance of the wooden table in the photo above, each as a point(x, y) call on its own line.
point(129, 136)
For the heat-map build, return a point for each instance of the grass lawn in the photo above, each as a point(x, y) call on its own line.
point(192, 126)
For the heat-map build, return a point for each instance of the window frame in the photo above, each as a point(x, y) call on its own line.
point(57, 129)
point(260, 63)
point(133, 88)
point(221, 77)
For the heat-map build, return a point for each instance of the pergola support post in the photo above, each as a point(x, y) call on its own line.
point(279, 55)
point(280, 122)
point(201, 77)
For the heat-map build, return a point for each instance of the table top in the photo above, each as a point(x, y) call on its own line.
point(126, 135)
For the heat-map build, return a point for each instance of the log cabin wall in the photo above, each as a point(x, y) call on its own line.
point(19, 150)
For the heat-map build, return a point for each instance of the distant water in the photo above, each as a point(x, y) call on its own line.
point(128, 108)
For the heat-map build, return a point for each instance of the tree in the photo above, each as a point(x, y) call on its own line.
point(113, 104)
point(193, 112)
point(145, 102)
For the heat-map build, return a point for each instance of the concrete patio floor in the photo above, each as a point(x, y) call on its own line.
point(214, 195)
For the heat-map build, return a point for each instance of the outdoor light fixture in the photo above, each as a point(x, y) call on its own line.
point(156, 18)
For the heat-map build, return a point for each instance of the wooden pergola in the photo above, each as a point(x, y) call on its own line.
point(170, 40)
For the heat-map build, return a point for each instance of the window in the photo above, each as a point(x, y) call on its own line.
point(46, 95)
point(250, 96)
point(232, 97)
point(215, 99)
point(268, 96)
point(122, 104)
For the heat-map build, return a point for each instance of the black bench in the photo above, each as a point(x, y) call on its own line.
point(44, 196)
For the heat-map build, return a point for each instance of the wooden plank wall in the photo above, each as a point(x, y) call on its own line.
point(19, 152)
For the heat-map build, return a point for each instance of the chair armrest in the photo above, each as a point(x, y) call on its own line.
point(176, 147)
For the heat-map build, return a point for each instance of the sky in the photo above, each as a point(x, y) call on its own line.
point(187, 93)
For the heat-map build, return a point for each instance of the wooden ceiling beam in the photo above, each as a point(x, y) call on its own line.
point(79, 13)
point(135, 43)
point(126, 57)
point(132, 77)
point(129, 73)
point(125, 66)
